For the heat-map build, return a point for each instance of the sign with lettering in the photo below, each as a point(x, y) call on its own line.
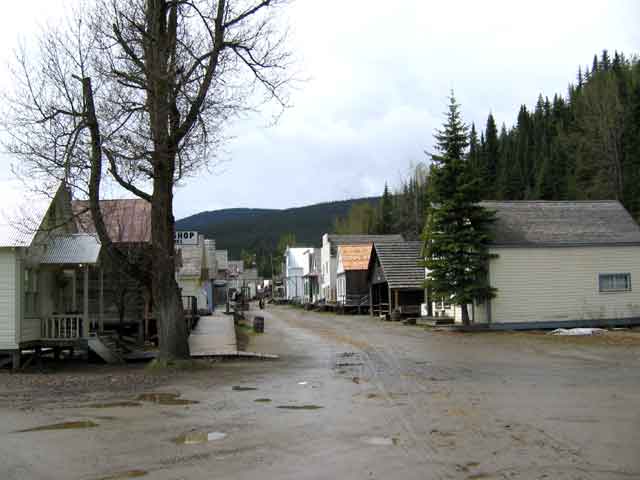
point(186, 238)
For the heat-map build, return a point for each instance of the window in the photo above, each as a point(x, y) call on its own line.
point(614, 282)
point(30, 292)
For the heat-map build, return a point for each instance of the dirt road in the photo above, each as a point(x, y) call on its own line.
point(350, 398)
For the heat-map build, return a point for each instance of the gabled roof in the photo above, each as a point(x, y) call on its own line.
point(401, 263)
point(22, 212)
point(568, 223)
point(71, 249)
point(363, 239)
point(354, 257)
point(336, 240)
point(127, 220)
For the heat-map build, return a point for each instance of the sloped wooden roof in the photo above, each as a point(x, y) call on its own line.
point(568, 223)
point(401, 263)
point(355, 257)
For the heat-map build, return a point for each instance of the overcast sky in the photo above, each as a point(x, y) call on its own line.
point(379, 75)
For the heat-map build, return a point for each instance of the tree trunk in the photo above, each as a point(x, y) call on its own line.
point(167, 304)
point(465, 314)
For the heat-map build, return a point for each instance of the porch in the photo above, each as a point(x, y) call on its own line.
point(58, 293)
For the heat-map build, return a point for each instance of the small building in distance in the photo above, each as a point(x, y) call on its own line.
point(294, 263)
point(351, 276)
point(311, 275)
point(396, 278)
point(329, 260)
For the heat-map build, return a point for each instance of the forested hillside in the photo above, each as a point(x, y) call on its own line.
point(582, 145)
point(257, 231)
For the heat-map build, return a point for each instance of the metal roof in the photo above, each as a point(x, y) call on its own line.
point(568, 223)
point(401, 263)
point(354, 257)
point(71, 249)
point(127, 220)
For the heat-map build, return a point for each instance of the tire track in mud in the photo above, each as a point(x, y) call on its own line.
point(384, 370)
point(380, 368)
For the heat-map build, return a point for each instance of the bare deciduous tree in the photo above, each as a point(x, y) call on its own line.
point(137, 92)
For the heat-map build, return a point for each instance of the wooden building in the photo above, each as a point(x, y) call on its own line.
point(45, 267)
point(562, 264)
point(396, 276)
point(351, 276)
point(329, 258)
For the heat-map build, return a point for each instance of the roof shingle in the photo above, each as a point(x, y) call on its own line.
point(565, 223)
point(401, 263)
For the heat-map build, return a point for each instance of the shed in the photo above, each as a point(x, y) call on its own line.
point(571, 263)
point(396, 278)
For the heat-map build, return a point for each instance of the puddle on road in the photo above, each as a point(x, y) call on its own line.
point(165, 399)
point(115, 404)
point(127, 474)
point(197, 438)
point(61, 426)
point(262, 400)
point(238, 388)
point(300, 407)
point(381, 441)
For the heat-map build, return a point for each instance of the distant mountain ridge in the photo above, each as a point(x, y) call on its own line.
point(258, 229)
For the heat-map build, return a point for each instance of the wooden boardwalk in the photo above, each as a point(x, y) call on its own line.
point(213, 335)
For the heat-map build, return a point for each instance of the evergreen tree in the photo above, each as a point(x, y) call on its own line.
point(458, 228)
point(475, 153)
point(386, 212)
point(491, 158)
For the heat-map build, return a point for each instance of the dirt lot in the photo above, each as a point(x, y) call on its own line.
point(351, 397)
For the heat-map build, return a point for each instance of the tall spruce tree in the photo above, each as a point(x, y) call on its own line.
point(386, 212)
point(458, 228)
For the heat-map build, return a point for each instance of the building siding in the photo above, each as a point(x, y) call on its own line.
point(8, 301)
point(559, 284)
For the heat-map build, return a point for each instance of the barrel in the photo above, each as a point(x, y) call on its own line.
point(258, 324)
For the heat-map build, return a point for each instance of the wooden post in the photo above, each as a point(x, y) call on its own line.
point(397, 299)
point(390, 301)
point(74, 293)
point(101, 303)
point(85, 299)
point(16, 360)
point(371, 300)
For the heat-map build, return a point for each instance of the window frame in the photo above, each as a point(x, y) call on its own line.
point(602, 276)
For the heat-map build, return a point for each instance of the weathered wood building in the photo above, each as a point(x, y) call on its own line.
point(396, 278)
point(329, 258)
point(351, 276)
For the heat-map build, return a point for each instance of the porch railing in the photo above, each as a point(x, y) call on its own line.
point(63, 327)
